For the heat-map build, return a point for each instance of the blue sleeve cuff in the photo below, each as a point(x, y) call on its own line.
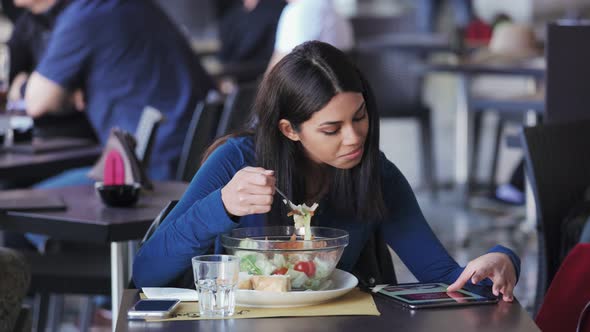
point(513, 257)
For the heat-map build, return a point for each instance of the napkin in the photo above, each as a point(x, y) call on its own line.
point(183, 294)
point(120, 150)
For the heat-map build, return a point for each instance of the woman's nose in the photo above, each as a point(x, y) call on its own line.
point(352, 136)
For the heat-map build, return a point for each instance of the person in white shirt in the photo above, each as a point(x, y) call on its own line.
point(305, 20)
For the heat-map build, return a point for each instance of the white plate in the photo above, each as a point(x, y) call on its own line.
point(343, 283)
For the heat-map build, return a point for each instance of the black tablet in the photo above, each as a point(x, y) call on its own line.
point(416, 296)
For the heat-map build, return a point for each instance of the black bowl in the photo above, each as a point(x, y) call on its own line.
point(118, 195)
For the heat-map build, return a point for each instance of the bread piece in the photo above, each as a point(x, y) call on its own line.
point(245, 284)
point(244, 281)
point(274, 283)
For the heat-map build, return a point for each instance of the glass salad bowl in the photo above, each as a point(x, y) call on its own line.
point(281, 250)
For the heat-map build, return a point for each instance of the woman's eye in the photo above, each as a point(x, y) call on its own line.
point(331, 133)
point(360, 118)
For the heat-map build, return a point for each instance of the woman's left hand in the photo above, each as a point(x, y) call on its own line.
point(496, 266)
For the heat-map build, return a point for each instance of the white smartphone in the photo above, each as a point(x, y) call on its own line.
point(161, 308)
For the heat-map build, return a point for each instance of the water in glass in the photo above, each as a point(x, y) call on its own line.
point(216, 299)
point(216, 279)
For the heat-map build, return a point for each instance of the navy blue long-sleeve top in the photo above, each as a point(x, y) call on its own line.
point(194, 226)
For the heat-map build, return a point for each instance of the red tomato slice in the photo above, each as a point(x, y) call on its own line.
point(306, 267)
point(282, 270)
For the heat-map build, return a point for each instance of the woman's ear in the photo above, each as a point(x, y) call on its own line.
point(287, 130)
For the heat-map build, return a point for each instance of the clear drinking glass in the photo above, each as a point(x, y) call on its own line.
point(216, 279)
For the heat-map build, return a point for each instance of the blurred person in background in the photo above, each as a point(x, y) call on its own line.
point(306, 20)
point(27, 44)
point(248, 29)
point(121, 64)
point(10, 10)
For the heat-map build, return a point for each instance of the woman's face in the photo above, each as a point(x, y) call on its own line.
point(334, 135)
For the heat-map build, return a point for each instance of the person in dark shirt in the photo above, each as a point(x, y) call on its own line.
point(26, 45)
point(247, 32)
point(10, 10)
point(124, 55)
point(29, 39)
point(316, 136)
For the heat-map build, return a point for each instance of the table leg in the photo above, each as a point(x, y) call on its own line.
point(119, 275)
point(463, 136)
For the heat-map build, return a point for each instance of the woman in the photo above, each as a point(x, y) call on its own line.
point(317, 139)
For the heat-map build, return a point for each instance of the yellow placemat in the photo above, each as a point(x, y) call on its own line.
point(353, 303)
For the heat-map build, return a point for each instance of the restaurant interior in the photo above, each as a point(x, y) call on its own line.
point(483, 107)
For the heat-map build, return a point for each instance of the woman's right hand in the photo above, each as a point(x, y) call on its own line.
point(250, 191)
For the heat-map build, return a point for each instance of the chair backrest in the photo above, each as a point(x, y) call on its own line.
point(558, 165)
point(565, 304)
point(200, 135)
point(584, 319)
point(567, 55)
point(395, 79)
point(158, 221)
point(152, 229)
point(375, 265)
point(236, 110)
point(243, 72)
point(394, 75)
point(145, 134)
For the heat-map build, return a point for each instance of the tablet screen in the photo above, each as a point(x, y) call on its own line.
point(433, 295)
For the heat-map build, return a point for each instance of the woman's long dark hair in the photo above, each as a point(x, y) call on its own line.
point(302, 83)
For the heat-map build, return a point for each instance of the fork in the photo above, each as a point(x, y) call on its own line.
point(288, 202)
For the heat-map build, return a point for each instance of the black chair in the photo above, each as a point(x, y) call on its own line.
point(158, 221)
point(568, 68)
point(84, 272)
point(236, 111)
point(508, 110)
point(558, 165)
point(200, 135)
point(242, 72)
point(375, 264)
point(396, 81)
